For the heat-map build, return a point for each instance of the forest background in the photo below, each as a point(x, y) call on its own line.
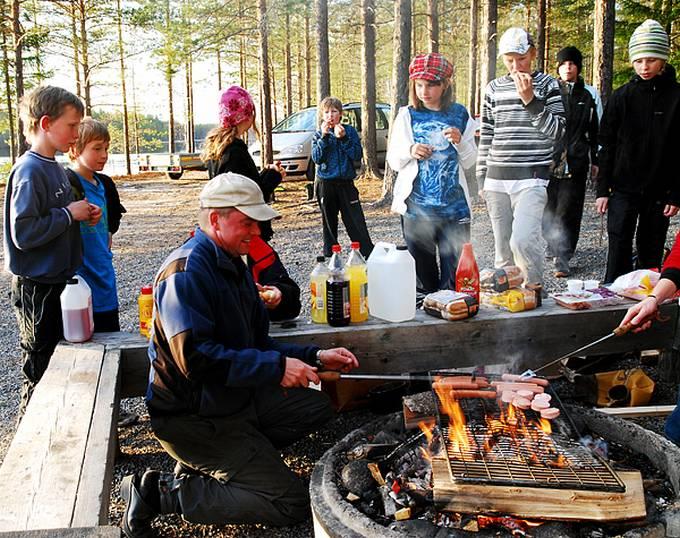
point(146, 67)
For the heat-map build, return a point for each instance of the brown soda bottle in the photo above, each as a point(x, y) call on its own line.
point(467, 273)
point(337, 292)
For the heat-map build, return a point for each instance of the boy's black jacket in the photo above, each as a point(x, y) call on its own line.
point(582, 129)
point(638, 139)
point(114, 208)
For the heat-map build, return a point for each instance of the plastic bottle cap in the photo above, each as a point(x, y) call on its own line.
point(72, 281)
point(402, 247)
point(321, 259)
point(337, 248)
point(147, 290)
point(355, 244)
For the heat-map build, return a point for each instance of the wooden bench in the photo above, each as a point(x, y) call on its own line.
point(58, 470)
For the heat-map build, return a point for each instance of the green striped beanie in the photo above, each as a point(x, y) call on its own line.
point(649, 40)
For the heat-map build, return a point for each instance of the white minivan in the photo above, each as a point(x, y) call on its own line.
point(292, 138)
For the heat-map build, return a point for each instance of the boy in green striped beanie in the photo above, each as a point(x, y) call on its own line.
point(638, 183)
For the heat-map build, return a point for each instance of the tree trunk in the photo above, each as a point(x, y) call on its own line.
point(168, 79)
point(264, 71)
point(491, 39)
point(433, 25)
point(401, 47)
point(85, 57)
point(308, 60)
point(540, 36)
point(17, 35)
point(8, 88)
point(188, 72)
point(121, 51)
point(272, 104)
point(547, 60)
point(414, 27)
point(472, 55)
point(368, 134)
point(219, 70)
point(299, 66)
point(603, 48)
point(135, 116)
point(76, 48)
point(243, 74)
point(287, 69)
point(323, 71)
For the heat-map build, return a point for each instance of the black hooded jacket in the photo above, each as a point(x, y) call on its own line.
point(582, 129)
point(637, 135)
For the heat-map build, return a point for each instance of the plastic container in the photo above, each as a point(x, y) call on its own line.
point(357, 273)
point(514, 300)
point(467, 273)
point(145, 302)
point(337, 292)
point(76, 310)
point(317, 288)
point(391, 283)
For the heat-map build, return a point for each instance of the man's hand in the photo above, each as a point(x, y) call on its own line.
point(95, 214)
point(421, 151)
point(79, 210)
point(640, 315)
point(524, 85)
point(339, 130)
point(271, 296)
point(601, 204)
point(339, 359)
point(670, 210)
point(452, 134)
point(298, 374)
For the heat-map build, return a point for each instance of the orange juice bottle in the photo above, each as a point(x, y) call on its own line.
point(145, 302)
point(317, 287)
point(355, 268)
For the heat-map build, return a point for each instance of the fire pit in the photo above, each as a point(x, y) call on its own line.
point(336, 516)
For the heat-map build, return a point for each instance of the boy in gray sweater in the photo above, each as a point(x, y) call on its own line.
point(522, 119)
point(42, 228)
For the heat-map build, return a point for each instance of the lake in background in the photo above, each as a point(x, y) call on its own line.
point(114, 167)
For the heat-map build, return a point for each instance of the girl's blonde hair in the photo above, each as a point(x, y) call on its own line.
point(88, 131)
point(219, 138)
point(447, 96)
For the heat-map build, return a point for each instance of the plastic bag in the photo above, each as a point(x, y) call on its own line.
point(637, 284)
point(450, 305)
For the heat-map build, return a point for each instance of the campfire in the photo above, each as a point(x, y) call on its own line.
point(477, 457)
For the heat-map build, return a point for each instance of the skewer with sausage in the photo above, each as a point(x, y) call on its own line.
point(525, 379)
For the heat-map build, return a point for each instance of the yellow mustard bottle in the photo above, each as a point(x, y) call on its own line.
point(145, 302)
point(355, 269)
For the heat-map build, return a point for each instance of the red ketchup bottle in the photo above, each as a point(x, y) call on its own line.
point(467, 273)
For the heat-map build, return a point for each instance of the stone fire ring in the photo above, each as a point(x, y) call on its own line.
point(334, 517)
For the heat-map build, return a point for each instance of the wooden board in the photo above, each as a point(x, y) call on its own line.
point(539, 503)
point(42, 470)
point(637, 411)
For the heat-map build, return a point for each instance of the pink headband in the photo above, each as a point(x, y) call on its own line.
point(236, 106)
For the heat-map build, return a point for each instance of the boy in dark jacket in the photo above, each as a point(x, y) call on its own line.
point(567, 188)
point(638, 180)
point(335, 147)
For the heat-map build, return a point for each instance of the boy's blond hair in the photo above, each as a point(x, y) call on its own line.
point(326, 103)
point(47, 101)
point(89, 130)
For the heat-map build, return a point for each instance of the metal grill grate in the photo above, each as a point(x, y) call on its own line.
point(537, 460)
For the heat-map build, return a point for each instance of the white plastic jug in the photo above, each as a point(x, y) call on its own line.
point(391, 283)
point(76, 310)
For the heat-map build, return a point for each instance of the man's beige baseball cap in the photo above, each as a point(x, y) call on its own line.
point(235, 190)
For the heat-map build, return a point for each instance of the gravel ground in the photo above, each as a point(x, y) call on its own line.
point(160, 214)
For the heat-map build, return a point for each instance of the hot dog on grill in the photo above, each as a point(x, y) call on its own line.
point(501, 386)
point(550, 414)
point(520, 379)
point(458, 394)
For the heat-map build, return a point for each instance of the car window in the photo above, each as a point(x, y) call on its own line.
point(349, 117)
point(304, 120)
point(380, 120)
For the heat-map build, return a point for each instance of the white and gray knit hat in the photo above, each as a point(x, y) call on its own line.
point(649, 40)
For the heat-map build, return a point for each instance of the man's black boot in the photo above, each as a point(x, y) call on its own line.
point(142, 503)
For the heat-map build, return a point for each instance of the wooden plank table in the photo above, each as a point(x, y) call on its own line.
point(524, 339)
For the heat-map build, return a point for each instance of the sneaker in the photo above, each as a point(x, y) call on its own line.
point(561, 268)
point(141, 505)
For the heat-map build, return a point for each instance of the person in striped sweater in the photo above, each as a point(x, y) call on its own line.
point(523, 119)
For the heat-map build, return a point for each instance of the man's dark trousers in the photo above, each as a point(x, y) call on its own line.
point(242, 478)
point(563, 214)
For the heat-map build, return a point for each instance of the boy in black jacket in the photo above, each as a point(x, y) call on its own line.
point(638, 181)
point(567, 188)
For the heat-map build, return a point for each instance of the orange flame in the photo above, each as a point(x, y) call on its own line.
point(458, 436)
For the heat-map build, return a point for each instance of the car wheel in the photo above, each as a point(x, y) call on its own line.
point(174, 175)
point(311, 170)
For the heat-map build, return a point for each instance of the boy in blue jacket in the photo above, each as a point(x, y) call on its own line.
point(335, 147)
